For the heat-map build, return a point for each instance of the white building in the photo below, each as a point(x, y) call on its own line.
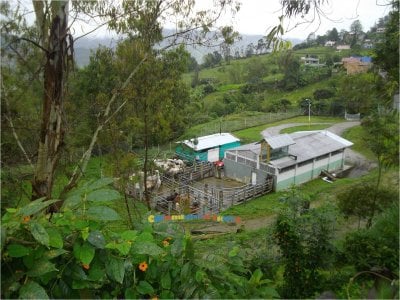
point(288, 158)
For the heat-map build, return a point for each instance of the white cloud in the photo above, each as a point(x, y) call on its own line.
point(257, 16)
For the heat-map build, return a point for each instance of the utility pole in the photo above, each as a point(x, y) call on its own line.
point(309, 112)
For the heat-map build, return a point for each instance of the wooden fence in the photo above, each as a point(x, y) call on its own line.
point(186, 199)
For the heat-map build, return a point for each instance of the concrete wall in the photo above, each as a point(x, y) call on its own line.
point(308, 172)
point(297, 175)
point(242, 172)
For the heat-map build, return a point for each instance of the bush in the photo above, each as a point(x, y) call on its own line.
point(86, 251)
point(375, 247)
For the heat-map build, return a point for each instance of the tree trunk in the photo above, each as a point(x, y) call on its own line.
point(52, 125)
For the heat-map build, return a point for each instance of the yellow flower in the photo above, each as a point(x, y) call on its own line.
point(143, 266)
point(86, 266)
point(165, 243)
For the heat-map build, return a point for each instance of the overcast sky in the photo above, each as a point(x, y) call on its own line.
point(257, 17)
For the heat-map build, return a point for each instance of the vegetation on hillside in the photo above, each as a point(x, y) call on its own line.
point(72, 139)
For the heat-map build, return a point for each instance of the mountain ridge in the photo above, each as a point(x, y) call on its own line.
point(86, 45)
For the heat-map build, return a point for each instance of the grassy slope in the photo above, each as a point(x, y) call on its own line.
point(253, 134)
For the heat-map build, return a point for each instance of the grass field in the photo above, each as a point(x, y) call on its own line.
point(253, 134)
point(305, 128)
point(355, 135)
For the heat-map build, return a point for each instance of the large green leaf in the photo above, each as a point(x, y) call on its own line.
point(103, 195)
point(41, 267)
point(39, 233)
point(256, 277)
point(32, 290)
point(102, 182)
point(55, 238)
point(17, 250)
point(84, 252)
point(177, 248)
point(115, 269)
point(166, 281)
point(145, 237)
point(34, 207)
point(54, 253)
point(130, 293)
point(129, 235)
point(72, 201)
point(145, 288)
point(102, 213)
point(96, 238)
point(123, 247)
point(148, 248)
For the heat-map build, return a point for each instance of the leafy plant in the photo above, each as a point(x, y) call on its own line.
point(86, 251)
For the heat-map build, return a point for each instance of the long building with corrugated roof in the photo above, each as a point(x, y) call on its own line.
point(290, 159)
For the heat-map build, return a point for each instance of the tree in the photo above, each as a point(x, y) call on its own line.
point(359, 201)
point(261, 46)
point(303, 236)
point(249, 50)
point(387, 50)
point(291, 72)
point(379, 244)
point(356, 31)
point(333, 35)
point(382, 137)
point(229, 37)
point(255, 70)
point(358, 92)
point(140, 20)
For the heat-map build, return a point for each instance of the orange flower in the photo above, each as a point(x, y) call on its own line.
point(143, 266)
point(86, 266)
point(165, 243)
point(154, 298)
point(26, 219)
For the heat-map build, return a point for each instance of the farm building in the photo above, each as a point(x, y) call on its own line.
point(207, 148)
point(287, 158)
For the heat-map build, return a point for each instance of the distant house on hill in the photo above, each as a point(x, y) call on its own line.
point(368, 44)
point(330, 43)
point(207, 148)
point(380, 30)
point(287, 158)
point(342, 47)
point(356, 64)
point(310, 61)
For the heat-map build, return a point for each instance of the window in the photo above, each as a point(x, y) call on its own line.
point(287, 169)
point(322, 157)
point(337, 152)
point(307, 162)
point(230, 156)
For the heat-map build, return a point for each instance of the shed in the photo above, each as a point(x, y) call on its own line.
point(207, 148)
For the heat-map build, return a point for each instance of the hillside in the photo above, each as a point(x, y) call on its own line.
point(267, 83)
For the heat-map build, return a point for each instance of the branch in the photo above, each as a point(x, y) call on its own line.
point(27, 40)
point(82, 164)
point(8, 117)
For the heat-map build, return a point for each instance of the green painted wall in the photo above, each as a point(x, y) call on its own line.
point(188, 153)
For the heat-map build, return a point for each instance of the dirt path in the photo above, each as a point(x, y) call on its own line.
point(362, 166)
point(271, 131)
